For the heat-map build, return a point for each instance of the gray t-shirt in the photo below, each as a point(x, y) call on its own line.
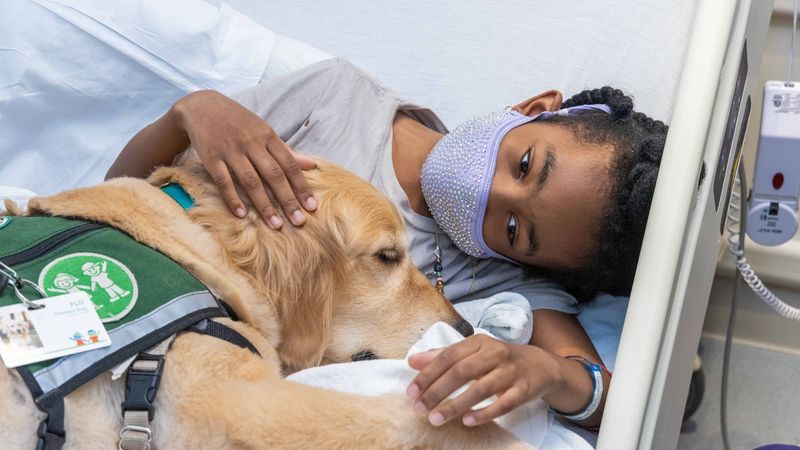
point(333, 110)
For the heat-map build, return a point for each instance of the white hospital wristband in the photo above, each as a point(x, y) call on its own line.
point(596, 372)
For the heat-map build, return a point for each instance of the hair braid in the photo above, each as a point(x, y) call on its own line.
point(621, 105)
point(648, 124)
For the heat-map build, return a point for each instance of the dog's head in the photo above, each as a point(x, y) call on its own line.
point(343, 284)
point(385, 303)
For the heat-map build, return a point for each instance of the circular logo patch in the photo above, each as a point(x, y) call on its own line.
point(5, 220)
point(109, 283)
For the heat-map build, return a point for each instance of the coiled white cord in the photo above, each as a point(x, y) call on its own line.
point(735, 217)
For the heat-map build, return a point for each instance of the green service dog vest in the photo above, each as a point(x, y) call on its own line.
point(141, 295)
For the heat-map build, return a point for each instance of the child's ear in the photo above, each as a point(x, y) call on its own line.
point(546, 101)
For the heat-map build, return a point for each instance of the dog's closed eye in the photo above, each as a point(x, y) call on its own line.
point(388, 255)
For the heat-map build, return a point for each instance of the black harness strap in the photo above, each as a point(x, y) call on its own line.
point(141, 384)
point(51, 430)
point(230, 311)
point(220, 331)
point(4, 281)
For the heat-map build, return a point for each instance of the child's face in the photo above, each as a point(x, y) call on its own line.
point(559, 202)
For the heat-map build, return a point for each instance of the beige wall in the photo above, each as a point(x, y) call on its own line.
point(777, 265)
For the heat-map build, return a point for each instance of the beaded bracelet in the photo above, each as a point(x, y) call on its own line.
point(596, 372)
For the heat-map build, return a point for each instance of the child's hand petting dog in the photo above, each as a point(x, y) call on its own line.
point(238, 148)
point(514, 373)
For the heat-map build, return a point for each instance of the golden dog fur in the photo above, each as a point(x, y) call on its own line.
point(342, 284)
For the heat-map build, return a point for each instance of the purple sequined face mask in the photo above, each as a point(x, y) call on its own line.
point(457, 174)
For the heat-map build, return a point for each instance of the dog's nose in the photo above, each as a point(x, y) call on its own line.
point(463, 327)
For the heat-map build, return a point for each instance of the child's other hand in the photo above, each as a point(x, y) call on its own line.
point(516, 374)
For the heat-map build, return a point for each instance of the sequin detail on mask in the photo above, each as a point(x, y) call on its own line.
point(454, 177)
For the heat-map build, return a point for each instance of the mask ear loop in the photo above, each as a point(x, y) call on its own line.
point(574, 110)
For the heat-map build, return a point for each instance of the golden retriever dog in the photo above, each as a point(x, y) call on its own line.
point(338, 289)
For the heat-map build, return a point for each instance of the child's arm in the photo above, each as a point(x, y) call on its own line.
point(235, 145)
point(156, 145)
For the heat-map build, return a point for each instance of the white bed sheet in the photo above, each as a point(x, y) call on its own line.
point(79, 78)
point(531, 422)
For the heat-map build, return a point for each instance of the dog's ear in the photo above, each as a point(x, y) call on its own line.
point(306, 331)
point(308, 319)
point(298, 270)
point(307, 323)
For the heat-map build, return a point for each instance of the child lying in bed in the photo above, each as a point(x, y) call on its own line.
point(546, 190)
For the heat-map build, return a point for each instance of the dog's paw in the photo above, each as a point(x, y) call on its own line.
point(12, 208)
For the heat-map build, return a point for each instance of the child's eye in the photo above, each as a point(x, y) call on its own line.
point(525, 162)
point(512, 230)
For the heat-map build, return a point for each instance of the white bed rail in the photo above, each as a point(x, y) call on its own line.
point(670, 295)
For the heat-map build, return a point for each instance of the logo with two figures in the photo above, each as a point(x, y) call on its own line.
point(92, 337)
point(109, 283)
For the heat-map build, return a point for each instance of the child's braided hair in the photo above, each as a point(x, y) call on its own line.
point(638, 141)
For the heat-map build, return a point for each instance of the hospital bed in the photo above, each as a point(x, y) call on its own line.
point(690, 63)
